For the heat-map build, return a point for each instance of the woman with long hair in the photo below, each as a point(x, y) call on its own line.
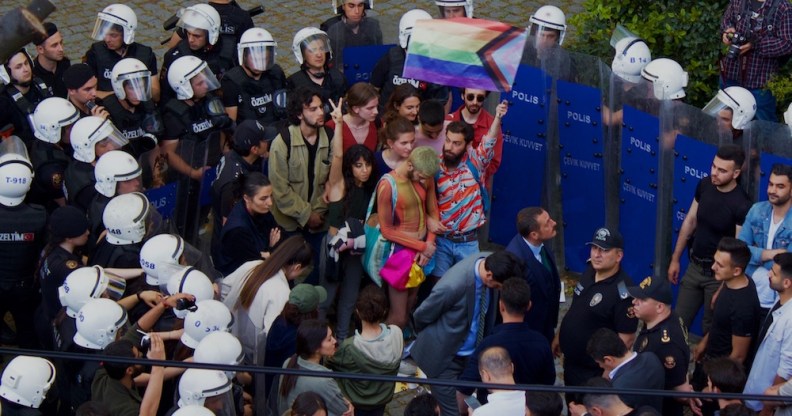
point(250, 232)
point(397, 139)
point(376, 349)
point(351, 184)
point(315, 342)
point(360, 123)
point(257, 291)
point(404, 102)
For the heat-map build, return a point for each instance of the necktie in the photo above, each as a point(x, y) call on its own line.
point(483, 301)
point(545, 260)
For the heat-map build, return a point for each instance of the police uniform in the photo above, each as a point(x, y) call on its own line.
point(220, 57)
point(333, 86)
point(22, 236)
point(78, 184)
point(133, 125)
point(387, 75)
point(16, 108)
point(53, 79)
point(58, 264)
point(595, 305)
point(253, 98)
point(342, 36)
point(668, 341)
point(49, 162)
point(102, 60)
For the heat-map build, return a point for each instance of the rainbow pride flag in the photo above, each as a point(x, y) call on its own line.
point(462, 52)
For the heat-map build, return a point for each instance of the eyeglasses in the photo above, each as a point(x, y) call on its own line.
point(479, 98)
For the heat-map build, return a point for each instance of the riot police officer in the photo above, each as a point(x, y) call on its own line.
point(116, 173)
point(455, 8)
point(201, 23)
point(91, 137)
point(254, 90)
point(387, 73)
point(50, 154)
point(22, 236)
point(351, 27)
point(132, 108)
point(21, 94)
point(51, 62)
point(313, 53)
point(24, 386)
point(125, 218)
point(115, 32)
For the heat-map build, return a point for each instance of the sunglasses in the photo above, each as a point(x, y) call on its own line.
point(479, 98)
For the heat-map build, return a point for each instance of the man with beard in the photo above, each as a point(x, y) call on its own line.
point(459, 193)
point(50, 62)
point(768, 232)
point(718, 210)
point(20, 95)
point(299, 165)
point(473, 114)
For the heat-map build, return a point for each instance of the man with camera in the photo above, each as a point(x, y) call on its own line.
point(759, 36)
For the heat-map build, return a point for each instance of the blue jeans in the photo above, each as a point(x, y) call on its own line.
point(765, 101)
point(449, 253)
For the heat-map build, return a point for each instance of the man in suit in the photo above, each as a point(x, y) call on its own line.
point(453, 320)
point(535, 227)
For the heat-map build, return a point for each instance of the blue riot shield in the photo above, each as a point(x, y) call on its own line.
point(521, 176)
point(639, 190)
point(582, 171)
point(770, 143)
point(360, 60)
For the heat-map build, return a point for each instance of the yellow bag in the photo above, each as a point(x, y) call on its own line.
point(416, 277)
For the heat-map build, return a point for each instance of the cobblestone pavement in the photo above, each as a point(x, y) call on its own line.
point(75, 19)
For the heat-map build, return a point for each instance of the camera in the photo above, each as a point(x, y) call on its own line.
point(185, 304)
point(737, 40)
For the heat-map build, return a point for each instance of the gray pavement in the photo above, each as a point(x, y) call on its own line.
point(75, 19)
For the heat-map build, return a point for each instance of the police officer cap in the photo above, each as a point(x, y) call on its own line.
point(68, 222)
point(307, 297)
point(653, 287)
point(77, 75)
point(51, 30)
point(250, 133)
point(607, 239)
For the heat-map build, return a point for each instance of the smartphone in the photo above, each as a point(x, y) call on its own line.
point(472, 402)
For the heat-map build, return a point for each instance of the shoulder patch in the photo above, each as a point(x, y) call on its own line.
point(669, 362)
point(57, 180)
point(622, 287)
point(71, 264)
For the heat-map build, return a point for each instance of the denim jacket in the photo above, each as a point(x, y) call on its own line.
point(754, 232)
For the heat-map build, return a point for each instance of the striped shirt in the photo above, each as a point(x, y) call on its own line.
point(458, 193)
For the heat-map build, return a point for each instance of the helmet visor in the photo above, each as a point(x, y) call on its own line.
point(137, 85)
point(546, 37)
point(115, 286)
point(112, 138)
point(259, 56)
point(317, 45)
point(14, 146)
point(720, 108)
point(222, 404)
point(620, 33)
point(203, 80)
point(190, 19)
point(105, 24)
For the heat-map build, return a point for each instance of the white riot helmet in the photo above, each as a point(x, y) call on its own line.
point(548, 18)
point(132, 73)
point(112, 15)
point(338, 7)
point(51, 116)
point(186, 68)
point(259, 47)
point(88, 283)
point(467, 4)
point(26, 380)
point(220, 348)
point(209, 316)
point(87, 132)
point(113, 167)
point(193, 410)
point(788, 115)
point(668, 78)
point(632, 55)
point(203, 17)
point(5, 72)
point(125, 218)
point(157, 252)
point(197, 385)
point(741, 102)
point(98, 322)
point(407, 23)
point(309, 38)
point(185, 279)
point(16, 171)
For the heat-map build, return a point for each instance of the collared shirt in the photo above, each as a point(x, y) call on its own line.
point(613, 372)
point(503, 403)
point(753, 69)
point(470, 342)
point(536, 250)
point(774, 356)
point(480, 129)
point(458, 192)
